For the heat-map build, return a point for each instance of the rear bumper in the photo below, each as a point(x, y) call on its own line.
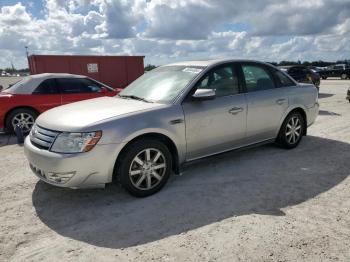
point(312, 114)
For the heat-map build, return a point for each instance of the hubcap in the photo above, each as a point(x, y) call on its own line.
point(293, 130)
point(26, 121)
point(147, 169)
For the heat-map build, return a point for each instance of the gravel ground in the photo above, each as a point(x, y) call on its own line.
point(261, 204)
point(6, 81)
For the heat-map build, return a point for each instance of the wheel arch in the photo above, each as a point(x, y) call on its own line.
point(15, 108)
point(158, 136)
point(299, 109)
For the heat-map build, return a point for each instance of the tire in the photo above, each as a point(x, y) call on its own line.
point(150, 173)
point(288, 140)
point(343, 76)
point(24, 116)
point(324, 77)
point(316, 84)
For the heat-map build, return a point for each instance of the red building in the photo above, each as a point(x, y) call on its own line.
point(116, 71)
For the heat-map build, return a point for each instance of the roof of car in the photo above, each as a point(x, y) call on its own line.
point(29, 83)
point(55, 75)
point(290, 66)
point(209, 62)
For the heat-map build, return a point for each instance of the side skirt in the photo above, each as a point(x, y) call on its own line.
point(185, 165)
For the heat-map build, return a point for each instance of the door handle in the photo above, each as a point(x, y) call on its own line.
point(281, 101)
point(235, 110)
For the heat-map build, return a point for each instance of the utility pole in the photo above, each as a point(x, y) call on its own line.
point(27, 54)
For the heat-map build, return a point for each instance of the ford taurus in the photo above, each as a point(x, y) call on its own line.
point(172, 115)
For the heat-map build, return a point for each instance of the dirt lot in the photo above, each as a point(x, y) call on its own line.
point(261, 204)
point(6, 81)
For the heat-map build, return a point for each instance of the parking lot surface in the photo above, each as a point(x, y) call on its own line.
point(6, 81)
point(260, 204)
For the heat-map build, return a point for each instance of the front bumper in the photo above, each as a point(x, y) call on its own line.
point(90, 169)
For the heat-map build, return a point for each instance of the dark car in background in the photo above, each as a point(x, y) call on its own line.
point(303, 74)
point(339, 70)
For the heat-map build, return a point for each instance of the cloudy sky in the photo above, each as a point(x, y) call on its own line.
point(166, 31)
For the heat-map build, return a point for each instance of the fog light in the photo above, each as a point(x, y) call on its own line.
point(60, 178)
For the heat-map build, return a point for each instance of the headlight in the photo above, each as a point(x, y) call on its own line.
point(75, 142)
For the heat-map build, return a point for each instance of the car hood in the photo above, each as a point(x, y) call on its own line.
point(76, 116)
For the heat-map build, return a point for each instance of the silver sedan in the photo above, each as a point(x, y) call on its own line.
point(169, 116)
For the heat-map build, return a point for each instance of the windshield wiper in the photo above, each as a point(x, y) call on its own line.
point(135, 98)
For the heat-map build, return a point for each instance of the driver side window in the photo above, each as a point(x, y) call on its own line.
point(223, 79)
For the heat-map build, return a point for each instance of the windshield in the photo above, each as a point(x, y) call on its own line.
point(163, 84)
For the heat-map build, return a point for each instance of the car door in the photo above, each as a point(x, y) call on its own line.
point(216, 125)
point(78, 89)
point(45, 96)
point(265, 101)
point(337, 71)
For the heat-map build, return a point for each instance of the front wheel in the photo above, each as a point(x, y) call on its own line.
point(292, 131)
point(343, 76)
point(144, 167)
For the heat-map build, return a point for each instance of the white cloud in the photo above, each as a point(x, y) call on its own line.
point(166, 31)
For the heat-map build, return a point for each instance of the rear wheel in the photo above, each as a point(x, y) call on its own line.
point(21, 116)
point(144, 167)
point(343, 76)
point(324, 77)
point(292, 130)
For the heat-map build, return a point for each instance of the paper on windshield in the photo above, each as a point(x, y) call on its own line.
point(192, 70)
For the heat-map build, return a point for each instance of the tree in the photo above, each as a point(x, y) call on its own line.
point(149, 67)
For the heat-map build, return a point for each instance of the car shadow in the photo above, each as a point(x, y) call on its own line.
point(261, 180)
point(7, 140)
point(324, 95)
point(328, 113)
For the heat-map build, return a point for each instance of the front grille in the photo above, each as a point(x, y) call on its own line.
point(42, 137)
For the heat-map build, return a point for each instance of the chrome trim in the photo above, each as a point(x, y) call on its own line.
point(40, 142)
point(43, 137)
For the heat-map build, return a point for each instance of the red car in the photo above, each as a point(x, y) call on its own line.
point(25, 100)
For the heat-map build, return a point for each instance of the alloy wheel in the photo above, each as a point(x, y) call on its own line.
point(25, 120)
point(147, 169)
point(293, 130)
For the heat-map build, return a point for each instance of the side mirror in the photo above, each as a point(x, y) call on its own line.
point(204, 94)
